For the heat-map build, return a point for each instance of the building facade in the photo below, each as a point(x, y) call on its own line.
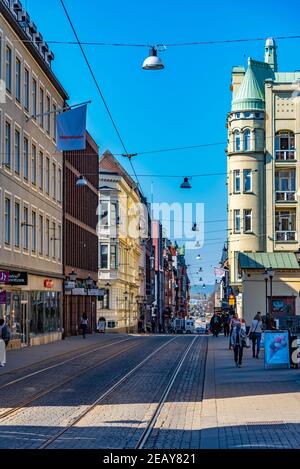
point(119, 246)
point(31, 172)
point(263, 166)
point(80, 255)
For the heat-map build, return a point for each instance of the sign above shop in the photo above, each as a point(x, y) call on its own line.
point(69, 285)
point(78, 291)
point(96, 292)
point(48, 283)
point(3, 297)
point(4, 276)
point(17, 278)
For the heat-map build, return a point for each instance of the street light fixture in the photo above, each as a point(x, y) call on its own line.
point(268, 275)
point(186, 184)
point(153, 62)
point(73, 276)
point(81, 181)
point(89, 281)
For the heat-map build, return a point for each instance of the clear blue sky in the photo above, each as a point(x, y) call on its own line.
point(185, 104)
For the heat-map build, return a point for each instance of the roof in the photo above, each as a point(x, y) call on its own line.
point(251, 92)
point(264, 260)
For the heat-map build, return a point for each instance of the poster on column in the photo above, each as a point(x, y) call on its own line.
point(276, 349)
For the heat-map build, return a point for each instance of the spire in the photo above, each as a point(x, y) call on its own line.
point(249, 95)
point(271, 54)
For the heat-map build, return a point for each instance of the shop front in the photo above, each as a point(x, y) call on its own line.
point(31, 306)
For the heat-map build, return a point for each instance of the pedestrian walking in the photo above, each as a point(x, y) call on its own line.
point(233, 320)
point(2, 344)
point(153, 326)
point(238, 339)
point(84, 324)
point(215, 324)
point(255, 334)
point(226, 324)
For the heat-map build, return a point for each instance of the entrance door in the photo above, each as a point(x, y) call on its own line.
point(24, 323)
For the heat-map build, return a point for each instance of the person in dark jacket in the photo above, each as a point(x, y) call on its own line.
point(226, 321)
point(215, 324)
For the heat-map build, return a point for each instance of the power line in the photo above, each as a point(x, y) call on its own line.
point(98, 87)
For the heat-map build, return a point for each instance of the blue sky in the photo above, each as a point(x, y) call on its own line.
point(185, 104)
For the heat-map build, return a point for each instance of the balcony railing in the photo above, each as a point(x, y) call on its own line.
point(285, 155)
point(285, 235)
point(285, 196)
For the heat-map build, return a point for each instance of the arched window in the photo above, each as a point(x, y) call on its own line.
point(285, 145)
point(247, 140)
point(237, 141)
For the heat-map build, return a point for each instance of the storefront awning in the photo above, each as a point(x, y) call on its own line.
point(264, 260)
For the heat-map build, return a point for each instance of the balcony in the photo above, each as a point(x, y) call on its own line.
point(285, 196)
point(285, 236)
point(285, 155)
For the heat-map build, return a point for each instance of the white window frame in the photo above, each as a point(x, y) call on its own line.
point(249, 172)
point(247, 217)
point(236, 177)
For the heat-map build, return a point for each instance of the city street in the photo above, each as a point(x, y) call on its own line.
point(155, 391)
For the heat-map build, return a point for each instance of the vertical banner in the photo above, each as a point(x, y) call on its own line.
point(277, 351)
point(71, 129)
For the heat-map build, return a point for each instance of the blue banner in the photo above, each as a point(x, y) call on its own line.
point(277, 348)
point(71, 128)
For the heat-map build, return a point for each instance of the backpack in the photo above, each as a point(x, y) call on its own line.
point(6, 334)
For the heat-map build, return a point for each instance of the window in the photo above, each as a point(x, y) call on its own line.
point(47, 237)
point(247, 180)
point(48, 117)
point(7, 220)
point(33, 221)
point(103, 256)
point(54, 122)
point(17, 152)
point(8, 56)
point(59, 242)
point(18, 79)
point(54, 180)
point(47, 175)
point(238, 115)
point(7, 144)
point(59, 182)
point(285, 180)
point(237, 221)
point(26, 89)
point(41, 107)
point(41, 235)
point(34, 98)
point(247, 140)
point(285, 140)
point(236, 181)
point(285, 225)
point(247, 221)
point(53, 240)
point(41, 170)
point(17, 225)
point(26, 227)
point(113, 256)
point(25, 158)
point(104, 207)
point(237, 141)
point(33, 165)
point(104, 300)
point(247, 115)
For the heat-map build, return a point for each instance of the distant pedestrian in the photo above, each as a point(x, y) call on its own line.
point(2, 344)
point(84, 324)
point(153, 326)
point(226, 324)
point(140, 326)
point(215, 324)
point(238, 338)
point(255, 334)
point(232, 322)
point(159, 328)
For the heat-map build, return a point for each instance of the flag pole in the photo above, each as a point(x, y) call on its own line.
point(67, 108)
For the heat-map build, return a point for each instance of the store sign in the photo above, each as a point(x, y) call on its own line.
point(48, 283)
point(4, 276)
point(95, 292)
point(17, 278)
point(276, 346)
point(3, 297)
point(69, 285)
point(78, 291)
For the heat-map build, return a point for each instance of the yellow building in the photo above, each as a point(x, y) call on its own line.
point(119, 246)
point(263, 170)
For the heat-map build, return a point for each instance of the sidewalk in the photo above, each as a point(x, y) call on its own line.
point(248, 407)
point(26, 356)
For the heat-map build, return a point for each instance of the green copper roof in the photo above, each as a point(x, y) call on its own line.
point(264, 260)
point(250, 94)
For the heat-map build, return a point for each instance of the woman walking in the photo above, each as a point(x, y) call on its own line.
point(84, 324)
point(255, 334)
point(2, 345)
point(238, 339)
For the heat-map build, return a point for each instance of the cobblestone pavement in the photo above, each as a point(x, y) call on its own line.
point(31, 426)
point(248, 407)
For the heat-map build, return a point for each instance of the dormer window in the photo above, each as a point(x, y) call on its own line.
point(238, 115)
point(248, 114)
